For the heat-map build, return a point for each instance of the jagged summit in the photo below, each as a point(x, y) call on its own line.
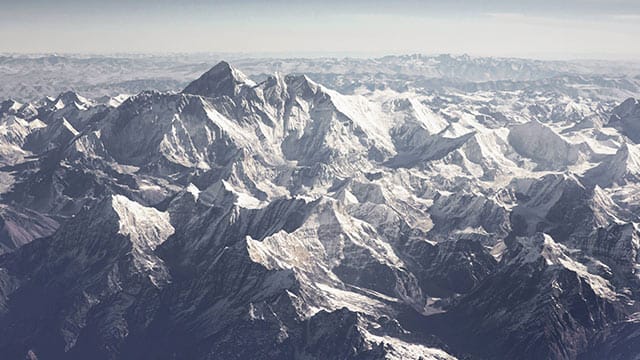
point(9, 107)
point(540, 143)
point(70, 98)
point(621, 168)
point(220, 80)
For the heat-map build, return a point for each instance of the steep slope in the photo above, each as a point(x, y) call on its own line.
point(626, 118)
point(542, 145)
point(14, 132)
point(619, 169)
point(21, 226)
point(541, 303)
point(111, 246)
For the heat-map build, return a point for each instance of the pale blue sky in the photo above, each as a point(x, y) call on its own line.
point(543, 29)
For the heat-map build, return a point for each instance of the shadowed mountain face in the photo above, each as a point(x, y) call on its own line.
point(283, 218)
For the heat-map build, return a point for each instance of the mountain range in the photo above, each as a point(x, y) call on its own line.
point(451, 214)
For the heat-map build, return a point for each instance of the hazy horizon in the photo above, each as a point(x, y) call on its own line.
point(575, 29)
point(230, 56)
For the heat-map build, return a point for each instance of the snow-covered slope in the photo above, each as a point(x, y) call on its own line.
point(626, 118)
point(542, 145)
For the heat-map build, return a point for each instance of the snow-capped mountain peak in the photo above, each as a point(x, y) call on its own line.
point(221, 80)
